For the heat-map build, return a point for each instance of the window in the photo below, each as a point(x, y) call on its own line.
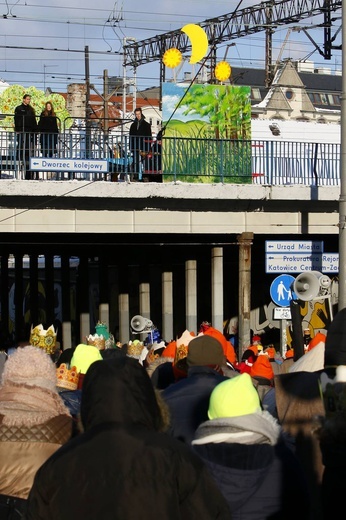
point(324, 99)
point(256, 94)
point(289, 94)
point(315, 98)
point(334, 99)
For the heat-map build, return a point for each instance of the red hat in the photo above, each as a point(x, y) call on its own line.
point(262, 368)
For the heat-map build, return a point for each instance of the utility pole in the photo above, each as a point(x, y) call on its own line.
point(87, 103)
point(342, 200)
point(125, 40)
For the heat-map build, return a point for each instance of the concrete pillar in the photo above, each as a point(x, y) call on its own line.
point(84, 326)
point(124, 318)
point(191, 295)
point(66, 332)
point(144, 300)
point(144, 306)
point(104, 313)
point(244, 331)
point(167, 307)
point(217, 288)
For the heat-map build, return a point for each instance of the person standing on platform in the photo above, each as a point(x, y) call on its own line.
point(48, 127)
point(25, 126)
point(140, 141)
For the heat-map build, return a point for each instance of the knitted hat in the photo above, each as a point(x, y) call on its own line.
point(205, 350)
point(262, 368)
point(234, 397)
point(83, 356)
point(335, 346)
point(30, 366)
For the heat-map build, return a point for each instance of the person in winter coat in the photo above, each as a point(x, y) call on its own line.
point(25, 126)
point(298, 402)
point(123, 465)
point(34, 423)
point(188, 398)
point(240, 444)
point(140, 139)
point(48, 127)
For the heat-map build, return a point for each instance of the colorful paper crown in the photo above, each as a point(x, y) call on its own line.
point(96, 341)
point(45, 339)
point(134, 348)
point(67, 378)
point(102, 338)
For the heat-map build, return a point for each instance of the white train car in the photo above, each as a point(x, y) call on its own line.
point(295, 152)
point(294, 131)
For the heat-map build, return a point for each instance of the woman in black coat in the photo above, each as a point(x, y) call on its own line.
point(48, 127)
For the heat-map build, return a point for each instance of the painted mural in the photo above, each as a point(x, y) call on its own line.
point(209, 131)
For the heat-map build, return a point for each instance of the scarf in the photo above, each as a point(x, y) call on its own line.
point(24, 405)
point(254, 428)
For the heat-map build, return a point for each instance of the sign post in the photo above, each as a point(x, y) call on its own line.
point(281, 293)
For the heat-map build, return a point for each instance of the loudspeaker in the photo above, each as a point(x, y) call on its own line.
point(140, 324)
point(311, 284)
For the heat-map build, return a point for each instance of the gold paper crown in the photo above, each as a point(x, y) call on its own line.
point(67, 378)
point(45, 339)
point(134, 348)
point(96, 341)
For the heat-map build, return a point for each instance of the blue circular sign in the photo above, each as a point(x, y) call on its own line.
point(281, 291)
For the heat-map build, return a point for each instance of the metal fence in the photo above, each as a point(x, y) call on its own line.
point(175, 159)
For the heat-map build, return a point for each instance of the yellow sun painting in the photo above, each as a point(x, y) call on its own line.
point(222, 71)
point(172, 58)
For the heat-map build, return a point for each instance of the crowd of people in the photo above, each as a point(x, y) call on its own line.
point(182, 429)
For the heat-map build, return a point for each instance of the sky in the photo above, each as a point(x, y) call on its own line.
point(43, 42)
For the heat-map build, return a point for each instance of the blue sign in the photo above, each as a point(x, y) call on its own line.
point(281, 291)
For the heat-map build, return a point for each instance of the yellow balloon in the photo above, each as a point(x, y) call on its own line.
point(222, 71)
point(172, 58)
point(198, 39)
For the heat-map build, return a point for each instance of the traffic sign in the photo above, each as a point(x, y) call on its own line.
point(282, 313)
point(68, 165)
point(299, 263)
point(294, 246)
point(280, 290)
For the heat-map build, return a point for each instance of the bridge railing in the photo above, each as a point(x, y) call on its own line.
point(179, 159)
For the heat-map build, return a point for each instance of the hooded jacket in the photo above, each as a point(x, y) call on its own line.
point(34, 422)
point(256, 472)
point(123, 465)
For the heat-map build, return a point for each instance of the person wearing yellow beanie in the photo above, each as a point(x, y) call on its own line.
point(83, 357)
point(242, 447)
point(220, 404)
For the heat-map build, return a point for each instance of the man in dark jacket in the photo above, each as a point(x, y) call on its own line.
point(123, 465)
point(188, 399)
point(140, 141)
point(25, 126)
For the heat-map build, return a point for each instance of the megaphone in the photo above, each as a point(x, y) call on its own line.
point(140, 324)
point(310, 285)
